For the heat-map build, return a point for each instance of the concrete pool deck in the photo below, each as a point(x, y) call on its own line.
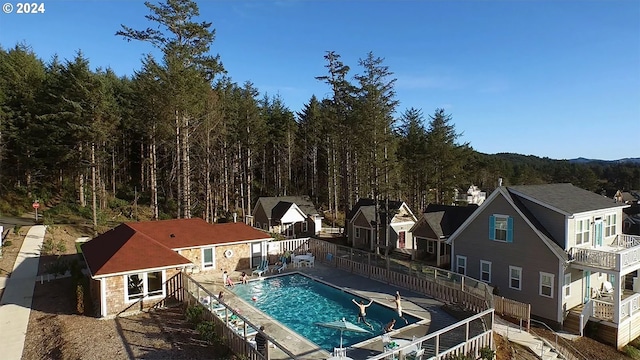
point(414, 304)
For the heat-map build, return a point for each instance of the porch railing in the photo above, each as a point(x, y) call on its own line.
point(614, 260)
point(586, 313)
point(627, 241)
point(629, 307)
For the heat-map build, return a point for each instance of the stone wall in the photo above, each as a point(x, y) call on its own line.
point(240, 260)
point(115, 295)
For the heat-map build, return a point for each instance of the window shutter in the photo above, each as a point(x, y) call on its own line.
point(509, 229)
point(492, 222)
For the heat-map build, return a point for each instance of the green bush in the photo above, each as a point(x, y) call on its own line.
point(632, 352)
point(16, 229)
point(7, 243)
point(486, 353)
point(58, 267)
point(194, 314)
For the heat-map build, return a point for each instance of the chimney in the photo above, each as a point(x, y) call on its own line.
point(499, 181)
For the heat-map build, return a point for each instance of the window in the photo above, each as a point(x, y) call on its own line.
point(265, 226)
point(357, 233)
point(461, 262)
point(305, 226)
point(485, 271)
point(258, 225)
point(501, 228)
point(546, 284)
point(431, 247)
point(567, 285)
point(515, 277)
point(144, 285)
point(610, 225)
point(582, 231)
point(208, 258)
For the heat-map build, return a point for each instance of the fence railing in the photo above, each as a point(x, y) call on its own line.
point(238, 343)
point(513, 309)
point(477, 330)
point(562, 346)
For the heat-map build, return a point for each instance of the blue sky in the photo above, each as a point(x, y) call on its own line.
point(559, 78)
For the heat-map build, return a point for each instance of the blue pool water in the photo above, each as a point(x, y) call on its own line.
point(300, 302)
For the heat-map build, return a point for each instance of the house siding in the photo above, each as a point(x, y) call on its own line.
point(240, 260)
point(527, 251)
point(551, 220)
point(260, 217)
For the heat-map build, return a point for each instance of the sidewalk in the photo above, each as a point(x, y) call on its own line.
point(513, 333)
point(15, 305)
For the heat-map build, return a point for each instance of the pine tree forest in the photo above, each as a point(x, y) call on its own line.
point(181, 139)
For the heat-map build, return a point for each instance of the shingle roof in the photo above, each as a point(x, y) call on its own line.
point(444, 220)
point(151, 244)
point(122, 249)
point(371, 202)
point(304, 203)
point(280, 209)
point(564, 197)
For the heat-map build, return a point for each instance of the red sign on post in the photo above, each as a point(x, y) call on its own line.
point(36, 205)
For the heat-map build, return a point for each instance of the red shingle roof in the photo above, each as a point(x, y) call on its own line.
point(196, 232)
point(147, 245)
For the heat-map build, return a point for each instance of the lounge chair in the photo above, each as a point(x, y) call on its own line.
point(281, 267)
point(264, 267)
point(339, 352)
point(607, 289)
point(415, 356)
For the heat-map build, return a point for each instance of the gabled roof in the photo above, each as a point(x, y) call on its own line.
point(444, 220)
point(145, 245)
point(304, 203)
point(395, 205)
point(123, 249)
point(564, 198)
point(524, 214)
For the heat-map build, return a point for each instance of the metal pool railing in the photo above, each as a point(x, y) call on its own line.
point(476, 331)
point(237, 342)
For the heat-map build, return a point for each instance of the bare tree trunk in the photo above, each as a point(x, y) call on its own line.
point(186, 169)
point(113, 171)
point(82, 199)
point(143, 168)
point(314, 180)
point(249, 177)
point(225, 160)
point(329, 178)
point(289, 145)
point(93, 189)
point(153, 170)
point(242, 176)
point(207, 178)
point(335, 182)
point(178, 164)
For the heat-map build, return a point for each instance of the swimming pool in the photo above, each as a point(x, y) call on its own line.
point(300, 302)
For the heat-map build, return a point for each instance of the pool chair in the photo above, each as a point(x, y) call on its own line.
point(416, 355)
point(281, 267)
point(263, 268)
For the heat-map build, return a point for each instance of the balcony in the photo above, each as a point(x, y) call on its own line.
point(621, 255)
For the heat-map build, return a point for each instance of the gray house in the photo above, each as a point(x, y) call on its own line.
point(434, 228)
point(361, 226)
point(292, 216)
point(559, 248)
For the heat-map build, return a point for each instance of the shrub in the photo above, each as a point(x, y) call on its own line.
point(80, 298)
point(207, 331)
point(58, 267)
point(194, 314)
point(16, 229)
point(486, 353)
point(7, 243)
point(632, 352)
